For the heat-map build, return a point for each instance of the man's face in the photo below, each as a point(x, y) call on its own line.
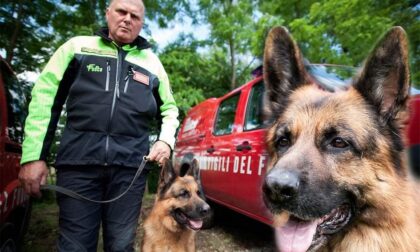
point(125, 20)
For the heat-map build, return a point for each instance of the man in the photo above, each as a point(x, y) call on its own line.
point(113, 86)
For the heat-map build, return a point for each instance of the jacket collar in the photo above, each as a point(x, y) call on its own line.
point(140, 42)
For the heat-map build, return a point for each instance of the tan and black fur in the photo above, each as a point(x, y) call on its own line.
point(178, 212)
point(337, 159)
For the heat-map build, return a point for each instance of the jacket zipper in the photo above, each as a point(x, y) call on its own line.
point(108, 72)
point(114, 100)
point(127, 78)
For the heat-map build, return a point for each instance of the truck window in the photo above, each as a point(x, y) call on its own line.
point(16, 102)
point(254, 109)
point(226, 116)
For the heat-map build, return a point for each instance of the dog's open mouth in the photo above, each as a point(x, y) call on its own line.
point(184, 220)
point(300, 235)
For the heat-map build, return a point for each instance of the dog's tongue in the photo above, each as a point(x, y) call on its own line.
point(295, 236)
point(196, 224)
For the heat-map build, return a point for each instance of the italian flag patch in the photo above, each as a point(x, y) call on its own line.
point(142, 78)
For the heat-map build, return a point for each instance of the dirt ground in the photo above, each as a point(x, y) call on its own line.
point(230, 232)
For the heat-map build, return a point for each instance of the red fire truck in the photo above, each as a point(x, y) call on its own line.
point(15, 205)
point(226, 136)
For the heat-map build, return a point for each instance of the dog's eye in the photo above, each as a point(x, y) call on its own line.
point(339, 142)
point(283, 142)
point(184, 194)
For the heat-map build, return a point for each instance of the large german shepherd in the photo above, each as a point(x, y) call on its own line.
point(178, 212)
point(337, 178)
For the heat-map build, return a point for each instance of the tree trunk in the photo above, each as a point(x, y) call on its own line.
point(16, 31)
point(233, 64)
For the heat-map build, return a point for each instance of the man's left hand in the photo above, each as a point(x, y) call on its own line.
point(159, 151)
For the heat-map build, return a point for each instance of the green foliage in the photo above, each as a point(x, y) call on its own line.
point(262, 27)
point(233, 25)
point(165, 11)
point(230, 22)
point(287, 9)
point(194, 76)
point(77, 17)
point(32, 30)
point(344, 31)
point(25, 32)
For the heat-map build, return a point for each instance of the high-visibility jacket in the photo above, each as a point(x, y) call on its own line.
point(112, 94)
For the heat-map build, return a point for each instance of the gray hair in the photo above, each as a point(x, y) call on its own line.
point(141, 2)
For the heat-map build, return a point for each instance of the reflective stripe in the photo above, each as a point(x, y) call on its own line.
point(108, 71)
point(127, 79)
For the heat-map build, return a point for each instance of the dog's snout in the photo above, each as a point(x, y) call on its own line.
point(203, 209)
point(280, 185)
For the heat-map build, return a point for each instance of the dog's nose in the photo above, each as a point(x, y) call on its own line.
point(203, 209)
point(281, 185)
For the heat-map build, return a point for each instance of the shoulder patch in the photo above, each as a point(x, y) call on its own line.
point(97, 51)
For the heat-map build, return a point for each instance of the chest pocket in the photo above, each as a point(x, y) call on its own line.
point(89, 99)
point(136, 105)
point(137, 91)
point(94, 79)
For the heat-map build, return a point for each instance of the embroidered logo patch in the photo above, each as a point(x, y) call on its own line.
point(94, 68)
point(142, 78)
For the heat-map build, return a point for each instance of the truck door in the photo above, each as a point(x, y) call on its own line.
point(218, 155)
point(250, 156)
point(11, 134)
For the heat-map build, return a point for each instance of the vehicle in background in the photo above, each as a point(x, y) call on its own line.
point(413, 132)
point(226, 135)
point(15, 205)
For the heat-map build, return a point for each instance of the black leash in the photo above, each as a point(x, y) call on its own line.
point(75, 195)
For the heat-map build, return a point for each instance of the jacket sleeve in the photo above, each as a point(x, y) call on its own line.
point(168, 110)
point(48, 96)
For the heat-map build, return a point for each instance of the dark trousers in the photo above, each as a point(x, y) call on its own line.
point(79, 221)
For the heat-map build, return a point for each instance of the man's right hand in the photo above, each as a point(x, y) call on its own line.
point(32, 175)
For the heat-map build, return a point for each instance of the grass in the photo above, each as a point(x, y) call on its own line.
point(43, 226)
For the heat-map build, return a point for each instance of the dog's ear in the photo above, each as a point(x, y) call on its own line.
point(194, 170)
point(384, 81)
point(284, 70)
point(167, 174)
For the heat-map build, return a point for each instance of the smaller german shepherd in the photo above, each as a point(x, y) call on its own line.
point(179, 211)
